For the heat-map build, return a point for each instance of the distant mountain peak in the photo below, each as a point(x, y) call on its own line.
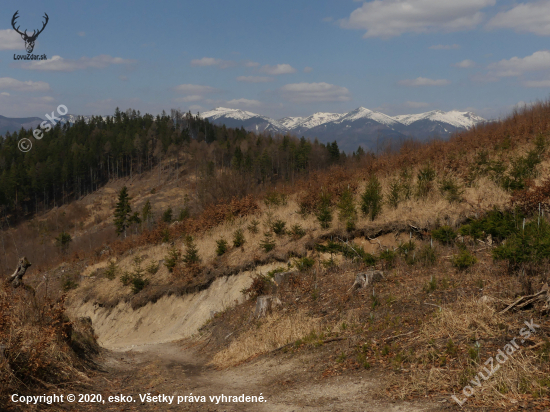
point(361, 126)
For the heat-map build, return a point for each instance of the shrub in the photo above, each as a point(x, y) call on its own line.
point(388, 256)
point(167, 215)
point(275, 199)
point(407, 250)
point(173, 258)
point(431, 285)
point(184, 214)
point(221, 246)
point(297, 232)
point(268, 244)
point(165, 235)
point(238, 238)
point(324, 212)
point(304, 263)
point(111, 271)
point(463, 260)
point(452, 191)
point(523, 169)
point(191, 256)
point(152, 268)
point(405, 180)
point(126, 278)
point(427, 255)
point(445, 235)
point(253, 226)
point(68, 284)
point(529, 244)
point(499, 225)
point(261, 285)
point(371, 200)
point(348, 213)
point(278, 227)
point(394, 196)
point(63, 241)
point(424, 181)
point(138, 283)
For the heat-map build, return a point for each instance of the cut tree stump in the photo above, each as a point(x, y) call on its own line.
point(265, 304)
point(362, 280)
point(17, 277)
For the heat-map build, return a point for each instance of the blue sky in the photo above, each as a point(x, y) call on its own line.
point(279, 58)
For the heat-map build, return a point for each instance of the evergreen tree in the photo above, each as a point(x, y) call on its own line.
point(371, 200)
point(63, 241)
point(191, 256)
point(348, 213)
point(324, 213)
point(122, 212)
point(146, 212)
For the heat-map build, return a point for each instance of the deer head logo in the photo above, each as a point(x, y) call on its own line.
point(29, 40)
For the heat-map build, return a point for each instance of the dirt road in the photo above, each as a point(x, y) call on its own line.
point(286, 382)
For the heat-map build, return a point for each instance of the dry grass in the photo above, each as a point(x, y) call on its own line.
point(271, 333)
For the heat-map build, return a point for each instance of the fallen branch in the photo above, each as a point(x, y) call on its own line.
point(526, 300)
point(397, 336)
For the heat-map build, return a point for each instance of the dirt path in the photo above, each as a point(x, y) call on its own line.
point(286, 381)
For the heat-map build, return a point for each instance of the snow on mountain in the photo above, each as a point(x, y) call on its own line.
point(364, 113)
point(359, 127)
point(231, 113)
point(454, 118)
point(249, 120)
point(291, 122)
point(318, 119)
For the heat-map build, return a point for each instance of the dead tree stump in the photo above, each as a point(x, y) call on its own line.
point(265, 305)
point(362, 280)
point(17, 278)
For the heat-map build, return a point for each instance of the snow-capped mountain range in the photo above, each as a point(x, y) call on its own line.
point(361, 126)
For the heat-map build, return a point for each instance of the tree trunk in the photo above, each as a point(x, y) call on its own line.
point(17, 276)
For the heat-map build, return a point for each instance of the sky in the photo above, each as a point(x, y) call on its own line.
point(276, 58)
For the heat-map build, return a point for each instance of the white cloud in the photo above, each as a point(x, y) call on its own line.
point(533, 17)
point(190, 98)
point(81, 33)
point(254, 79)
point(27, 86)
point(536, 83)
point(10, 40)
point(389, 18)
point(308, 69)
point(58, 63)
point(465, 64)
point(195, 89)
point(278, 69)
point(251, 64)
point(244, 102)
point(315, 92)
point(517, 66)
point(445, 47)
point(484, 78)
point(23, 106)
point(422, 81)
point(210, 61)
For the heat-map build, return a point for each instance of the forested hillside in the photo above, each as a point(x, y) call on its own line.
point(73, 160)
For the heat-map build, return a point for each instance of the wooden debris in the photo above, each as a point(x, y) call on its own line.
point(17, 277)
